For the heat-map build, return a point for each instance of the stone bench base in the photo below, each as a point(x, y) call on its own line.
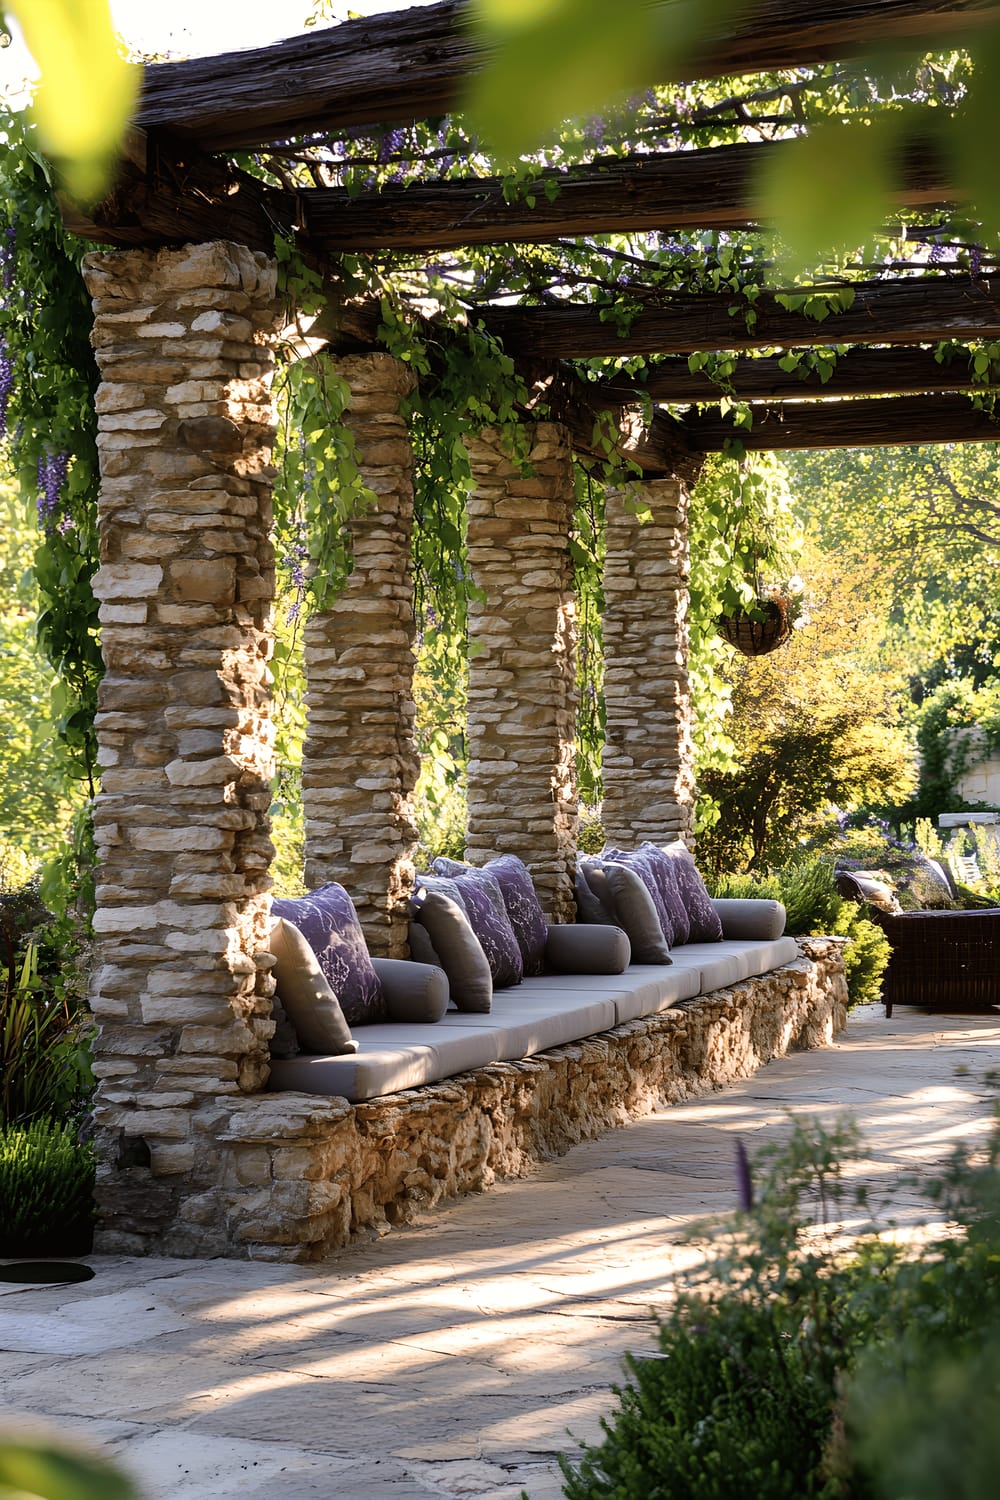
point(299, 1176)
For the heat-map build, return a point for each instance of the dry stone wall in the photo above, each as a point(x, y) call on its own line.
point(648, 756)
point(182, 339)
point(522, 675)
point(360, 761)
point(304, 1176)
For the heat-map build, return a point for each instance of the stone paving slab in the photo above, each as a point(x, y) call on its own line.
point(457, 1357)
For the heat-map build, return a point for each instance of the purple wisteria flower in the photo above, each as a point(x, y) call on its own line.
point(52, 469)
point(390, 144)
point(976, 262)
point(6, 384)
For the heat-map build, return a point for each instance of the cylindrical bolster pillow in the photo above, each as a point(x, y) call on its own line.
point(587, 949)
point(751, 917)
point(412, 992)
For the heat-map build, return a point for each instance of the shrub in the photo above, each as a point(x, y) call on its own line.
point(815, 907)
point(45, 1034)
point(47, 1190)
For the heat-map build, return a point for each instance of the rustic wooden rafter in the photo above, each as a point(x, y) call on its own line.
point(906, 311)
point(413, 65)
point(711, 189)
point(896, 371)
point(165, 193)
point(849, 424)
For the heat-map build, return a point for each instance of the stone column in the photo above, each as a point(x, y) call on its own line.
point(648, 757)
point(522, 677)
point(186, 586)
point(360, 761)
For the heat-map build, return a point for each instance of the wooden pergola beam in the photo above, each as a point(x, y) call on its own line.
point(901, 312)
point(711, 189)
point(413, 64)
point(167, 192)
point(849, 424)
point(596, 420)
point(899, 371)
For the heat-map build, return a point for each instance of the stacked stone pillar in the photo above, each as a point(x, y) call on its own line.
point(360, 761)
point(181, 990)
point(522, 670)
point(648, 760)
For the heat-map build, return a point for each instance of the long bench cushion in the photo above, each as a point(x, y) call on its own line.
point(390, 1058)
point(642, 990)
point(536, 1017)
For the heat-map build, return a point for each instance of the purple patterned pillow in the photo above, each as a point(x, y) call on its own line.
point(488, 919)
point(638, 861)
point(523, 907)
point(520, 902)
point(666, 875)
point(327, 920)
point(705, 922)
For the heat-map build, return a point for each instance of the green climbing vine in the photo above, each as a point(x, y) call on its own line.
point(48, 423)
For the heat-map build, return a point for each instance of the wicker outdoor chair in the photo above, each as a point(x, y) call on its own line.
point(944, 960)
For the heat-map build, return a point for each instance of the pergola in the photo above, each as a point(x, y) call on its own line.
point(186, 313)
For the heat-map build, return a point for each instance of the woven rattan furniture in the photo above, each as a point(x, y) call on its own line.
point(944, 960)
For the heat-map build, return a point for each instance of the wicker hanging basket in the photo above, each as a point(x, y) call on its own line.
point(757, 636)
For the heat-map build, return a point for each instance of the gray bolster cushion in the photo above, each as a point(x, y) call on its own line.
point(751, 917)
point(412, 992)
point(587, 949)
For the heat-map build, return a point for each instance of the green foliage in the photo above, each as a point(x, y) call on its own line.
point(927, 519)
point(40, 1463)
point(45, 1035)
point(47, 1189)
point(814, 907)
point(957, 725)
point(87, 91)
point(743, 537)
point(50, 426)
point(813, 728)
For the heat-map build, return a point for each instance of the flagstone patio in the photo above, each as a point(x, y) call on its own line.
point(457, 1357)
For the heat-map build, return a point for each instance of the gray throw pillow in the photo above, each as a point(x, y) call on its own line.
point(636, 914)
point(422, 950)
point(594, 901)
point(674, 931)
point(459, 951)
point(308, 1001)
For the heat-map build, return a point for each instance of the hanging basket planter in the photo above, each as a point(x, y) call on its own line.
point(764, 626)
point(756, 637)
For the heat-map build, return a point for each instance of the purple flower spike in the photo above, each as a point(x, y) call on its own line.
point(6, 384)
point(744, 1181)
point(52, 469)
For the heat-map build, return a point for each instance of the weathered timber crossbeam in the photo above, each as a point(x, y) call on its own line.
point(850, 424)
point(413, 64)
point(711, 189)
point(603, 426)
point(897, 371)
point(172, 192)
point(901, 312)
point(165, 195)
